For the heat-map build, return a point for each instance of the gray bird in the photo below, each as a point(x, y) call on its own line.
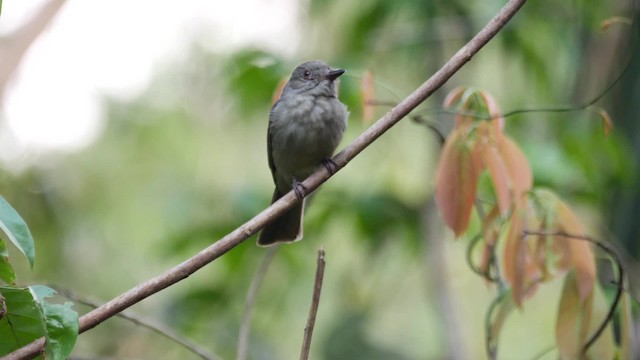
point(305, 127)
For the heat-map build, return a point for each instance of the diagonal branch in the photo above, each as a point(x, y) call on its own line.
point(231, 240)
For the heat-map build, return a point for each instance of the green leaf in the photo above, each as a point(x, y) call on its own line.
point(22, 323)
point(6, 270)
point(29, 317)
point(17, 230)
point(61, 323)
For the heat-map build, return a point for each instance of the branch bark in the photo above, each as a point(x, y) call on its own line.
point(315, 301)
point(231, 240)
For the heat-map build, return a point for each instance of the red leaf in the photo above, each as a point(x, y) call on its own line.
point(456, 180)
point(517, 166)
point(494, 111)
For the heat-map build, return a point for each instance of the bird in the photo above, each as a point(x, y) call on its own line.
point(306, 125)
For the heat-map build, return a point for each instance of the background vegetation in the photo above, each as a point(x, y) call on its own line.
point(185, 162)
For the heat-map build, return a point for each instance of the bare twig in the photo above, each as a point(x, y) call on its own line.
point(243, 337)
point(315, 301)
point(619, 283)
point(231, 240)
point(151, 325)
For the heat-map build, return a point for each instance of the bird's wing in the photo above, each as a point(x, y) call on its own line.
point(272, 165)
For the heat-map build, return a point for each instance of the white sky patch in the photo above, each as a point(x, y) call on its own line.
point(96, 47)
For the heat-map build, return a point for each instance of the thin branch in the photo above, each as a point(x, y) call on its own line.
point(315, 301)
point(155, 327)
point(619, 283)
point(231, 240)
point(433, 126)
point(243, 337)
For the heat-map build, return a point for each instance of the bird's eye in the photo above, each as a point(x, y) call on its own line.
point(307, 74)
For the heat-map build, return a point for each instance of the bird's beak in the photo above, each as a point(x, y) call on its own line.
point(334, 74)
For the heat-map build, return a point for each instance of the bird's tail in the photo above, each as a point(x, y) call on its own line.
point(285, 229)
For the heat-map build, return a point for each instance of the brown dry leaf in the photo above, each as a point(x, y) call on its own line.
point(368, 94)
point(581, 253)
point(515, 252)
point(574, 315)
point(517, 166)
point(278, 90)
point(456, 180)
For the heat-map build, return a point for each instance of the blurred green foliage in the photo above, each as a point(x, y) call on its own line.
point(185, 162)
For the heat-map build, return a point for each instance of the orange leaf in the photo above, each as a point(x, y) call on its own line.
point(499, 176)
point(454, 96)
point(494, 111)
point(517, 166)
point(581, 253)
point(574, 316)
point(459, 98)
point(515, 255)
point(456, 181)
point(368, 93)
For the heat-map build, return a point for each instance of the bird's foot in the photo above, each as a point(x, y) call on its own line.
point(300, 190)
point(330, 165)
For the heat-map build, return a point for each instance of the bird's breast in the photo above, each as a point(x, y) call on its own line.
point(305, 130)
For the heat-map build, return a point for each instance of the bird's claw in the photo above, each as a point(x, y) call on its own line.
point(330, 165)
point(300, 190)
